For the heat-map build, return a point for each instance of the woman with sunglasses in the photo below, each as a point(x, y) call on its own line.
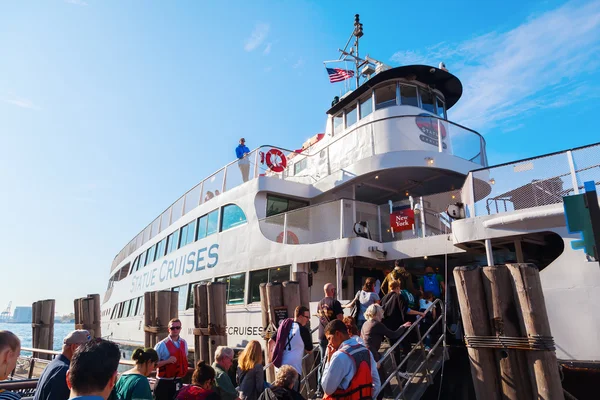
point(133, 384)
point(201, 388)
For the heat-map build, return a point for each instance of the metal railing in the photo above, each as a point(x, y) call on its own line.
point(316, 162)
point(405, 379)
point(533, 182)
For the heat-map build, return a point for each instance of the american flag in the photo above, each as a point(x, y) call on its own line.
point(338, 74)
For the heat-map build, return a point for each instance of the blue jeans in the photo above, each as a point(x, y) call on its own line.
point(323, 350)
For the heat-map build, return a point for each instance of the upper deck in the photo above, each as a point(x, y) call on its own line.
point(398, 115)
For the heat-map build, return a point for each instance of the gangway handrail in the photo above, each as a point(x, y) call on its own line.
point(55, 353)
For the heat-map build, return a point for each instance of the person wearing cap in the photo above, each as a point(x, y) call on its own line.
point(241, 153)
point(52, 385)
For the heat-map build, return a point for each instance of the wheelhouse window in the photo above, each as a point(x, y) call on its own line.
point(232, 216)
point(385, 97)
point(172, 241)
point(338, 123)
point(366, 106)
point(351, 116)
point(441, 108)
point(277, 204)
point(188, 233)
point(235, 287)
point(408, 95)
point(277, 274)
point(427, 101)
point(208, 224)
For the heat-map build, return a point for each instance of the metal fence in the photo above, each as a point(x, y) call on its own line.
point(535, 181)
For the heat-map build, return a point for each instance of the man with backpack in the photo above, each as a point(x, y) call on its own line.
point(328, 309)
point(350, 370)
point(432, 282)
point(293, 341)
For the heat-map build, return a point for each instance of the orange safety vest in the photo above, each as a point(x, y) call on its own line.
point(361, 385)
point(180, 367)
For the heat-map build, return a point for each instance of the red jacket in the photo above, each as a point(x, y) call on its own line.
point(180, 367)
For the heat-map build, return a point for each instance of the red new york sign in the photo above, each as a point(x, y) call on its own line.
point(402, 220)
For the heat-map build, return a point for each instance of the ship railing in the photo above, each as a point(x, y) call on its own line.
point(532, 182)
point(310, 165)
point(336, 219)
point(399, 375)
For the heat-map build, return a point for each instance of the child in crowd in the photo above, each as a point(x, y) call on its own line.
point(427, 300)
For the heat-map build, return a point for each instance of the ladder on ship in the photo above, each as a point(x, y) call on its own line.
point(405, 379)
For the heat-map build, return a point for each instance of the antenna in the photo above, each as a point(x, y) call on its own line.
point(358, 33)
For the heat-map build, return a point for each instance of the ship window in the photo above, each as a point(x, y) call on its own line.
point(140, 308)
point(408, 95)
point(133, 307)
point(188, 233)
point(172, 241)
point(277, 274)
point(232, 217)
point(160, 248)
point(235, 288)
point(143, 259)
point(208, 224)
point(366, 106)
point(150, 257)
point(122, 308)
point(277, 205)
point(385, 97)
point(337, 123)
point(190, 297)
point(351, 116)
point(136, 264)
point(440, 108)
point(113, 315)
point(183, 296)
point(300, 166)
point(427, 101)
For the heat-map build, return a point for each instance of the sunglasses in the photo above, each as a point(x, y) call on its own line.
point(174, 328)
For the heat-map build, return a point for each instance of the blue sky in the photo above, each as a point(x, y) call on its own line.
point(110, 110)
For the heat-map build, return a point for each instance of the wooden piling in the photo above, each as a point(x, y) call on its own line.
point(159, 308)
point(42, 324)
point(148, 313)
point(475, 319)
point(217, 316)
point(302, 278)
point(264, 306)
point(534, 318)
point(291, 296)
point(87, 314)
point(504, 321)
point(274, 300)
point(200, 322)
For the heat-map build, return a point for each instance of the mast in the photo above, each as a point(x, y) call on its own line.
point(358, 32)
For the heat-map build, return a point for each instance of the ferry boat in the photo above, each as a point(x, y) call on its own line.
point(374, 187)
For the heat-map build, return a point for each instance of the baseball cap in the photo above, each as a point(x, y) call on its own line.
point(77, 337)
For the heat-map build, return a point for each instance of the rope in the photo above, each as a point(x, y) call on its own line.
point(534, 342)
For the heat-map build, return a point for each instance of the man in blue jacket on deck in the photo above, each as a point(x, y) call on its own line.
point(53, 382)
point(244, 163)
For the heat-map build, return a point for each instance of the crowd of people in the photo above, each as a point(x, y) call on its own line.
point(349, 353)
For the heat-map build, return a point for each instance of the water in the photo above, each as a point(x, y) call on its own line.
point(23, 331)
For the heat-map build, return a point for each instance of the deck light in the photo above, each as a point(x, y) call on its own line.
point(406, 193)
point(376, 176)
point(429, 160)
point(493, 181)
point(424, 257)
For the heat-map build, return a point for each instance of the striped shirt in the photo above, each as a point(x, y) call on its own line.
point(6, 395)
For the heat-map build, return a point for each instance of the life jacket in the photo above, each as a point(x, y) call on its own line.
point(361, 385)
point(431, 284)
point(180, 367)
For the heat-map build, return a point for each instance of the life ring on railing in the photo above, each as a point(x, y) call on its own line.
point(276, 160)
point(291, 238)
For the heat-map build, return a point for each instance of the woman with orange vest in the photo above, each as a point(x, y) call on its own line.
point(350, 372)
point(172, 365)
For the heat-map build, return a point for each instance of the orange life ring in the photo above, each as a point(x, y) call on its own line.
point(291, 236)
point(273, 163)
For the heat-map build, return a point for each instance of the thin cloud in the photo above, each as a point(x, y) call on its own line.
point(508, 75)
point(267, 49)
point(23, 103)
point(259, 34)
point(76, 2)
point(298, 63)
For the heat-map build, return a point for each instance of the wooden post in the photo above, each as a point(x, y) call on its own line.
point(514, 375)
point(291, 296)
point(163, 314)
point(87, 314)
point(42, 323)
point(97, 313)
point(302, 278)
point(475, 319)
point(264, 306)
point(534, 318)
point(148, 317)
point(200, 322)
point(274, 299)
point(217, 316)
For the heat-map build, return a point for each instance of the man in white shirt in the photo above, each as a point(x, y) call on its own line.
point(298, 341)
point(340, 369)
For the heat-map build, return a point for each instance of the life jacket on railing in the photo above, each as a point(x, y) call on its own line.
point(178, 369)
point(361, 385)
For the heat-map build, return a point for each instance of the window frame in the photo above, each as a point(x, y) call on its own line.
point(222, 219)
point(269, 272)
point(227, 279)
